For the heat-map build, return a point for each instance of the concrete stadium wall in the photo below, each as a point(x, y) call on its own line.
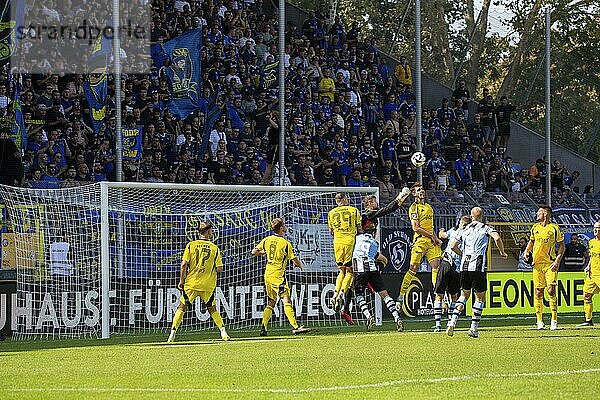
point(526, 146)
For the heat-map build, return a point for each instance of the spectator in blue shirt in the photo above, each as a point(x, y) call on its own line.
point(462, 169)
point(355, 179)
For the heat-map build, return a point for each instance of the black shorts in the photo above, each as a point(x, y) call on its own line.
point(448, 280)
point(475, 280)
point(362, 279)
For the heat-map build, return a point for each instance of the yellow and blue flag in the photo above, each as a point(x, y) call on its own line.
point(96, 85)
point(132, 142)
point(9, 23)
point(19, 133)
point(183, 71)
point(269, 75)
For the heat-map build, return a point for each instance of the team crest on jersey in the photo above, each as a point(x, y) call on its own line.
point(398, 248)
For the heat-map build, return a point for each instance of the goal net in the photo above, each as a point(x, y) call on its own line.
point(105, 258)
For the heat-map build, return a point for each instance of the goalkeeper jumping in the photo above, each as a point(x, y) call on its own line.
point(369, 217)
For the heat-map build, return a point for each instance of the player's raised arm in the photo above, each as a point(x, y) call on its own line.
point(402, 196)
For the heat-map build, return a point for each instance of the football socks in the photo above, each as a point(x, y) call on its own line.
point(434, 274)
point(347, 281)
point(289, 313)
point(437, 313)
point(588, 308)
point(177, 320)
point(538, 303)
point(268, 311)
point(217, 318)
point(408, 277)
point(476, 316)
point(553, 300)
point(364, 308)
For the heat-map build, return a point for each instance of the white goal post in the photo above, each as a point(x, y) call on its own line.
point(104, 259)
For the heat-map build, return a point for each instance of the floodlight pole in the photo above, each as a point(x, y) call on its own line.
point(117, 77)
point(417, 88)
point(547, 116)
point(118, 131)
point(281, 92)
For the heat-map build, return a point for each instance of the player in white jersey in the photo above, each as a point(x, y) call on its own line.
point(364, 257)
point(448, 280)
point(473, 268)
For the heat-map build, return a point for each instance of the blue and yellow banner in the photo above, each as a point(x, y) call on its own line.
point(132, 143)
point(269, 75)
point(183, 71)
point(9, 21)
point(19, 133)
point(96, 85)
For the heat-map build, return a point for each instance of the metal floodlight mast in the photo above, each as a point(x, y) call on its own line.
point(417, 87)
point(547, 116)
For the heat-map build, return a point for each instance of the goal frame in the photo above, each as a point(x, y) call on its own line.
point(105, 228)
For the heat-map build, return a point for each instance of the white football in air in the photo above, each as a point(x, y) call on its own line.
point(418, 159)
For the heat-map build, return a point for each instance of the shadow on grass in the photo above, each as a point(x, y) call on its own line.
point(421, 325)
point(215, 341)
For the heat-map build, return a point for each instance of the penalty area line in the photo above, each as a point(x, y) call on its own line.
point(308, 390)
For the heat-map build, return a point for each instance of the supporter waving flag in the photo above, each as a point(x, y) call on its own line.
point(183, 70)
point(269, 75)
point(215, 107)
point(96, 85)
point(18, 126)
point(11, 19)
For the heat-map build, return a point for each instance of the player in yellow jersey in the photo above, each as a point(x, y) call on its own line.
point(279, 252)
point(543, 239)
point(344, 224)
point(592, 280)
point(425, 241)
point(199, 267)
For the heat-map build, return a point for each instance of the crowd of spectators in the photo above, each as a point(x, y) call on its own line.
point(350, 116)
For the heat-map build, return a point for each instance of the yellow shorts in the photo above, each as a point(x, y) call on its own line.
point(592, 285)
point(543, 276)
point(189, 295)
point(424, 247)
point(343, 253)
point(276, 288)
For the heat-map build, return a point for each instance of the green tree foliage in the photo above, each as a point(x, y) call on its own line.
point(575, 56)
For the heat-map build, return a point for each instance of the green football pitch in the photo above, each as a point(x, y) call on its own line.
point(509, 360)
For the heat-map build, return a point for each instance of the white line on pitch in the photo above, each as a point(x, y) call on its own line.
point(308, 390)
